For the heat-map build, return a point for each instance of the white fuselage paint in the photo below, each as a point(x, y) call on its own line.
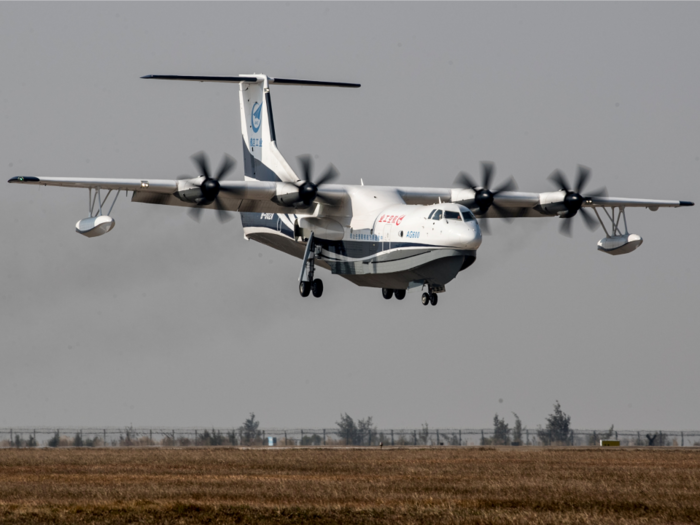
point(396, 243)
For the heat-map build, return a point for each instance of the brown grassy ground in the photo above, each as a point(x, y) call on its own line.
point(336, 485)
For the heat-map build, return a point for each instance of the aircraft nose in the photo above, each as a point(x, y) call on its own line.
point(469, 236)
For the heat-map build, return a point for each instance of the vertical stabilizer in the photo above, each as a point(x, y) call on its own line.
point(262, 159)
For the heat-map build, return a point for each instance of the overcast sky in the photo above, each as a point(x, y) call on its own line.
point(166, 322)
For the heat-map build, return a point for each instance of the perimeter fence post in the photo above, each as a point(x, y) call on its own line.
point(415, 439)
point(460, 437)
point(392, 437)
point(347, 438)
point(150, 436)
point(104, 437)
point(285, 439)
point(10, 437)
point(437, 437)
point(301, 441)
point(324, 436)
point(682, 439)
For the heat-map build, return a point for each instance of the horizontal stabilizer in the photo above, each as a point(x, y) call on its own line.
point(239, 80)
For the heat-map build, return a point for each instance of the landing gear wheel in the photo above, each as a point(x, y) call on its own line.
point(387, 293)
point(425, 299)
point(304, 288)
point(317, 288)
point(399, 294)
point(433, 299)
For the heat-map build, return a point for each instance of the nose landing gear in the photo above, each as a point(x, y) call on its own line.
point(431, 297)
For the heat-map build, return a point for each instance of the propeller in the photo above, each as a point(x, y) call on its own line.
point(210, 187)
point(573, 200)
point(308, 190)
point(483, 196)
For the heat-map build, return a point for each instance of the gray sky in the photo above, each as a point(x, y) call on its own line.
point(168, 322)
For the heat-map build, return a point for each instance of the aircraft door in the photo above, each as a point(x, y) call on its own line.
point(386, 236)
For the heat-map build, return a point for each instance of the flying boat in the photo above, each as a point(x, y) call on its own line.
point(394, 238)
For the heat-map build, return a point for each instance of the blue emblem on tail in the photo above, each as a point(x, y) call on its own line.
point(255, 116)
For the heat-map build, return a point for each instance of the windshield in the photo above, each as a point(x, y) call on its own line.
point(452, 215)
point(466, 214)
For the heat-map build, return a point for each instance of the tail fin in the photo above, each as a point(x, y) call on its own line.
point(262, 159)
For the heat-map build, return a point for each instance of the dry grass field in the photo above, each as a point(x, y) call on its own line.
point(338, 485)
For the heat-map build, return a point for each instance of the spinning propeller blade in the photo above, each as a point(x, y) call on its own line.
point(210, 187)
point(573, 200)
point(483, 196)
point(308, 190)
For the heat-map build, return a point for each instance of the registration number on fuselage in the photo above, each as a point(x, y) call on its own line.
point(412, 235)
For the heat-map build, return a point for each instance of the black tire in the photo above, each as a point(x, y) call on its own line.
point(433, 299)
point(317, 287)
point(304, 288)
point(425, 299)
point(400, 294)
point(387, 293)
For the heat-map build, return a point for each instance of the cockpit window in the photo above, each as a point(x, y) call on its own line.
point(452, 215)
point(437, 215)
point(467, 215)
point(431, 214)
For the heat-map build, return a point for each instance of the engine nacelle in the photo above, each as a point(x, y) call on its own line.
point(95, 226)
point(620, 244)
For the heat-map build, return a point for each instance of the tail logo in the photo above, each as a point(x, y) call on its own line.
point(255, 116)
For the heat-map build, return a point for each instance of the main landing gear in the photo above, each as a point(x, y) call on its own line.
point(388, 293)
point(431, 298)
point(307, 283)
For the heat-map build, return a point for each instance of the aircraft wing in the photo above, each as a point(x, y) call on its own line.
point(525, 204)
point(241, 196)
point(621, 202)
point(158, 186)
point(263, 196)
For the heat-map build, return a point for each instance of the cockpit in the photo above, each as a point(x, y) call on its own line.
point(464, 214)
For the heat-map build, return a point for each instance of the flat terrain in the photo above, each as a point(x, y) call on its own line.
point(337, 485)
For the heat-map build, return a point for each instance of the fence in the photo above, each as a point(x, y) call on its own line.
point(125, 437)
